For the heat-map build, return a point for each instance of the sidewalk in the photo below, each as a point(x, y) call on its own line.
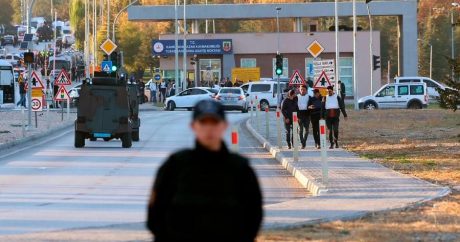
point(356, 186)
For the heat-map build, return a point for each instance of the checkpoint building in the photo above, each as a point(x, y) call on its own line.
point(218, 54)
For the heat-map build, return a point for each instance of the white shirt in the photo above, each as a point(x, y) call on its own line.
point(302, 101)
point(153, 86)
point(332, 102)
point(163, 85)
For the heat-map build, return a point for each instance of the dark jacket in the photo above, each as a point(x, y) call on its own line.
point(200, 195)
point(22, 88)
point(288, 107)
point(318, 103)
point(327, 112)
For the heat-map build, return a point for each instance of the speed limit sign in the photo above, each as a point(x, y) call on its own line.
point(37, 105)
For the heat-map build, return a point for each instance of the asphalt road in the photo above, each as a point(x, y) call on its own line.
point(51, 186)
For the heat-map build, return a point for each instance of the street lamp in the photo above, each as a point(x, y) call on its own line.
point(118, 15)
point(278, 91)
point(453, 24)
point(370, 44)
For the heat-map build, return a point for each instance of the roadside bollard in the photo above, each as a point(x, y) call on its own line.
point(257, 115)
point(267, 123)
point(235, 140)
point(252, 111)
point(278, 127)
point(23, 122)
point(324, 164)
point(295, 124)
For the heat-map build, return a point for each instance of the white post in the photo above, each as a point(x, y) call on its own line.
point(355, 73)
point(325, 166)
point(23, 122)
point(370, 48)
point(235, 139)
point(453, 38)
point(337, 50)
point(184, 63)
point(68, 109)
point(431, 60)
point(278, 127)
point(176, 48)
point(206, 21)
point(295, 146)
point(251, 111)
point(108, 19)
point(388, 74)
point(257, 114)
point(267, 124)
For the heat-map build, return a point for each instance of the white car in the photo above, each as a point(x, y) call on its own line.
point(233, 98)
point(397, 95)
point(188, 98)
point(430, 84)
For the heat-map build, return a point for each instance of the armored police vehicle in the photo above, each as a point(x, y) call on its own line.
point(108, 109)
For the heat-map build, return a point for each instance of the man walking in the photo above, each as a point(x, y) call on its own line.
point(333, 104)
point(22, 93)
point(304, 114)
point(206, 193)
point(315, 107)
point(288, 107)
point(342, 90)
point(153, 91)
point(163, 91)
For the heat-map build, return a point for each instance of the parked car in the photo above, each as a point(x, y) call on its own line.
point(74, 94)
point(188, 98)
point(266, 92)
point(397, 95)
point(430, 83)
point(233, 98)
point(13, 59)
point(9, 40)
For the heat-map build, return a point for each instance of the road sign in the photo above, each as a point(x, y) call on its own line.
point(328, 66)
point(106, 66)
point(62, 79)
point(36, 81)
point(37, 92)
point(62, 94)
point(157, 77)
point(108, 47)
point(297, 79)
point(315, 49)
point(37, 104)
point(322, 83)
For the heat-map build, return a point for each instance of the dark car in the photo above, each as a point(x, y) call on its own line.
point(8, 40)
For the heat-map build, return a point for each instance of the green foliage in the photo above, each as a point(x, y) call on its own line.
point(450, 97)
point(6, 12)
point(77, 15)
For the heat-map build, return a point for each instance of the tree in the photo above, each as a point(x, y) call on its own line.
point(77, 15)
point(450, 97)
point(6, 12)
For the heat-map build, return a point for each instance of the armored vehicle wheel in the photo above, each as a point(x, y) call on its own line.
point(79, 140)
point(135, 135)
point(126, 141)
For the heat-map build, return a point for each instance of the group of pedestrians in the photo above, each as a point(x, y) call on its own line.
point(310, 109)
point(159, 91)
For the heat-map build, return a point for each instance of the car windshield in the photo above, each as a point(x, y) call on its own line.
point(230, 91)
point(212, 90)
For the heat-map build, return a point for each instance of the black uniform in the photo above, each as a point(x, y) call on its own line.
point(315, 116)
point(287, 108)
point(201, 195)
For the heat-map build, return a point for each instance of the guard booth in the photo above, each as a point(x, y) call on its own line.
point(6, 82)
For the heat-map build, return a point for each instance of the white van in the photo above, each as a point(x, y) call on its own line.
point(430, 83)
point(266, 92)
point(6, 82)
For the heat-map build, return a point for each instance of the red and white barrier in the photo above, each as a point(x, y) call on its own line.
point(295, 141)
point(324, 163)
point(235, 140)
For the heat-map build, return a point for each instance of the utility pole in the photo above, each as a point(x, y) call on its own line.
point(176, 47)
point(355, 87)
point(184, 79)
point(431, 60)
point(278, 91)
point(30, 5)
point(337, 50)
point(370, 47)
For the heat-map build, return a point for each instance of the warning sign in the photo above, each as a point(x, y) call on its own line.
point(62, 79)
point(36, 81)
point(322, 83)
point(62, 94)
point(297, 79)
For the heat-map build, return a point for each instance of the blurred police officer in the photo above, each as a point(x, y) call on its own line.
point(289, 106)
point(315, 106)
point(206, 193)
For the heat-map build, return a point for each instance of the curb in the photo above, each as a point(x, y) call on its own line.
point(34, 137)
point(308, 182)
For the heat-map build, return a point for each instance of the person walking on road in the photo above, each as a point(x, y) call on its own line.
point(288, 107)
point(163, 87)
point(22, 93)
point(315, 108)
point(333, 104)
point(206, 193)
point(304, 114)
point(153, 91)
